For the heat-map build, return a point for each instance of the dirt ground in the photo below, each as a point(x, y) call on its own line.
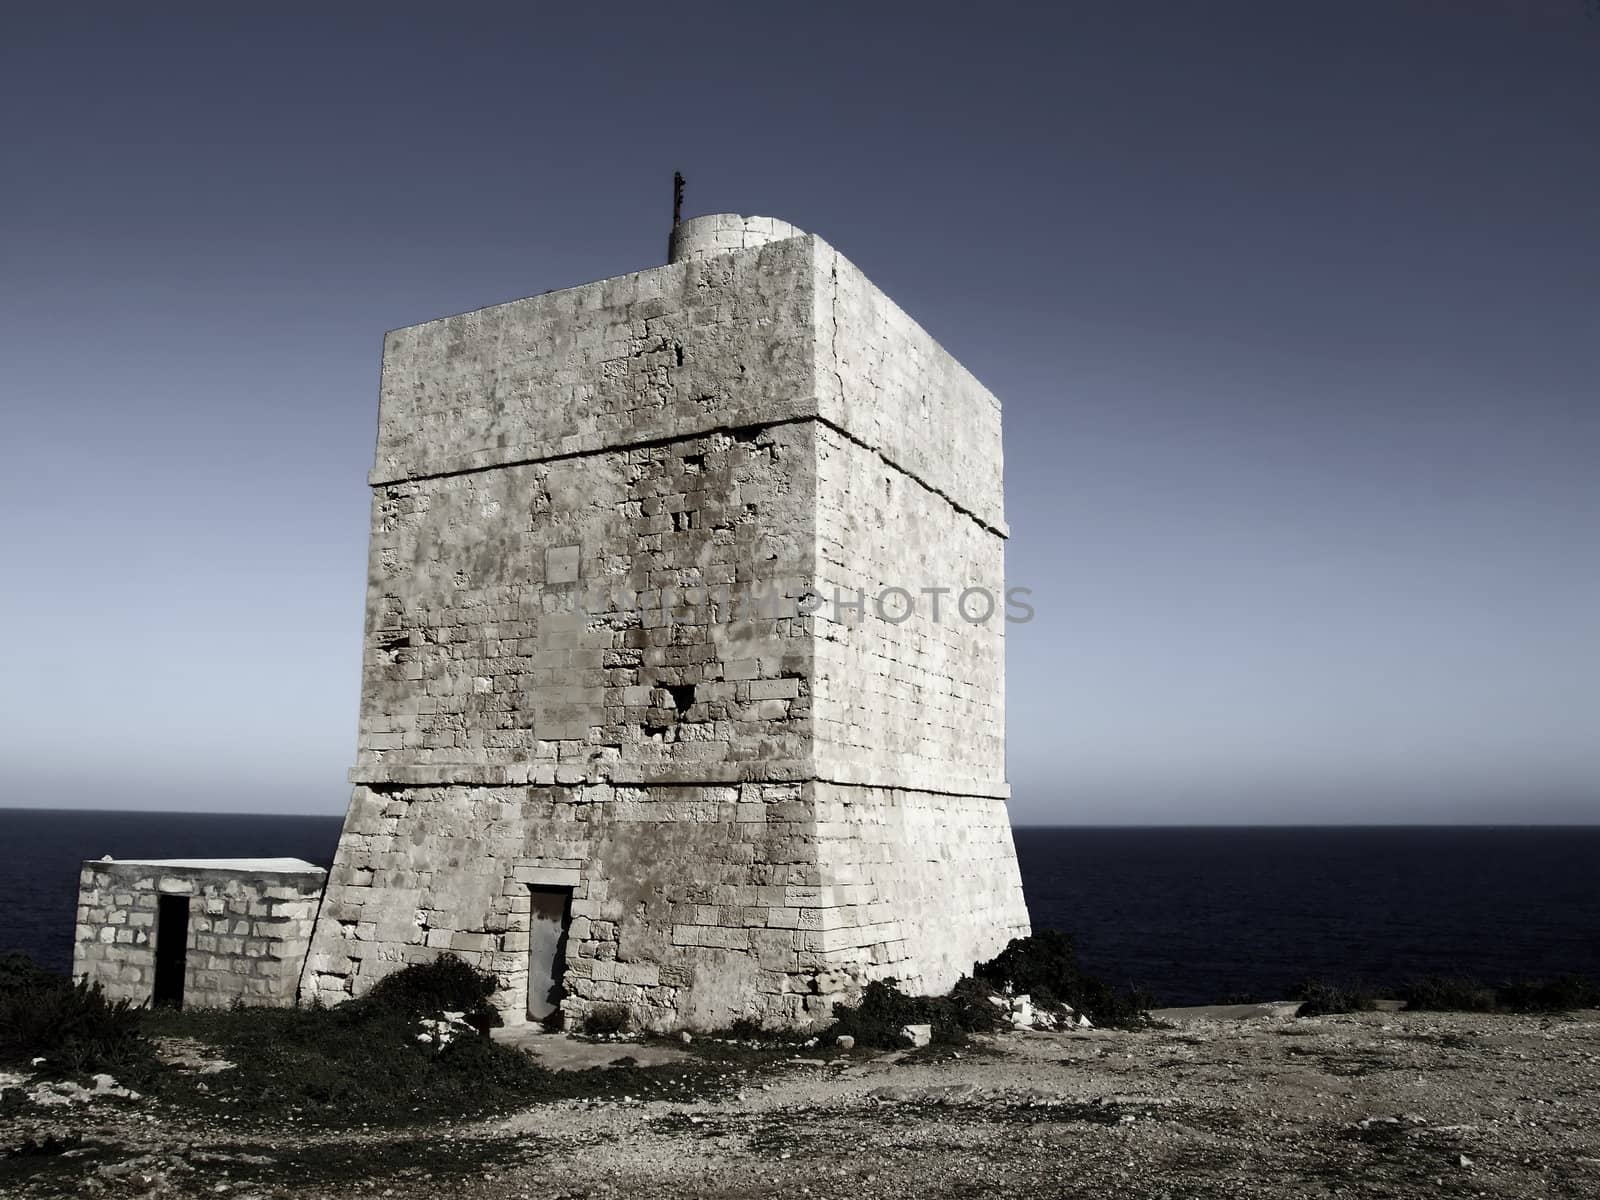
point(1380, 1105)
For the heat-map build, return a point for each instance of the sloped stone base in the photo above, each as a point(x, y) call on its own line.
point(693, 906)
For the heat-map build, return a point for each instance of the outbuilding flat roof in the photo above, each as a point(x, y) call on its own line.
point(271, 866)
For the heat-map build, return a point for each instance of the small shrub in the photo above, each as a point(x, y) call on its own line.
point(1549, 995)
point(73, 1026)
point(1045, 967)
point(878, 1017)
point(1442, 993)
point(606, 1019)
point(447, 984)
point(1455, 993)
point(1321, 998)
point(18, 971)
point(884, 1010)
point(970, 1008)
point(1438, 993)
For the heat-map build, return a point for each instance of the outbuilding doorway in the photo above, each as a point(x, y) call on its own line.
point(172, 950)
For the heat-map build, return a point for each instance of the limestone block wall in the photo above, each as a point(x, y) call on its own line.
point(248, 929)
point(574, 618)
point(908, 698)
point(923, 884)
point(907, 692)
point(882, 379)
point(677, 350)
point(692, 905)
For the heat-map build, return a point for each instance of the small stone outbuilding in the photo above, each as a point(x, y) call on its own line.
point(200, 933)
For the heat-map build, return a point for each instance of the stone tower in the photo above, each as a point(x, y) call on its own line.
point(656, 707)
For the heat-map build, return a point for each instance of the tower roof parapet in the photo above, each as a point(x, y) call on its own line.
point(723, 233)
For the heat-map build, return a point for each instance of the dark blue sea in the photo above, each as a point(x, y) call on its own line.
point(1192, 914)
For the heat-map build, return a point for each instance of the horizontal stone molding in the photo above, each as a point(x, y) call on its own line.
point(522, 775)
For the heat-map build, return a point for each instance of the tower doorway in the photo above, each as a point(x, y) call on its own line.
point(550, 915)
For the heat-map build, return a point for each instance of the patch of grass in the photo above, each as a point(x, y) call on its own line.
point(1321, 998)
point(72, 1026)
point(363, 1062)
point(355, 1063)
point(1045, 966)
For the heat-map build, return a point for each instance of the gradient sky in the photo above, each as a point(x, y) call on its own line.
point(1294, 309)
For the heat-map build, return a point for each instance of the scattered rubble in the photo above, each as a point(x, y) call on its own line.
point(1022, 1014)
point(444, 1028)
point(65, 1091)
point(917, 1035)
